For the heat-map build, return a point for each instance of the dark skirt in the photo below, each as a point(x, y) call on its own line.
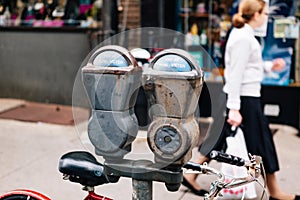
point(258, 136)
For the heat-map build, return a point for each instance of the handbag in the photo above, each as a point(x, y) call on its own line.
point(236, 146)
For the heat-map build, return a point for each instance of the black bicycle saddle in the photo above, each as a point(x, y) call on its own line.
point(82, 167)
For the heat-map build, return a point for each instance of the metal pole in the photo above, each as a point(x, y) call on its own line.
point(106, 18)
point(161, 13)
point(210, 28)
point(297, 63)
point(142, 190)
point(186, 16)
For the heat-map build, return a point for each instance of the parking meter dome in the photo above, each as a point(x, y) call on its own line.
point(172, 63)
point(178, 60)
point(110, 58)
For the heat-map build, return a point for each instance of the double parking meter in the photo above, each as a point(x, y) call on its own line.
point(173, 83)
point(111, 79)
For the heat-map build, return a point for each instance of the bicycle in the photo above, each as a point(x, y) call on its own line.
point(82, 167)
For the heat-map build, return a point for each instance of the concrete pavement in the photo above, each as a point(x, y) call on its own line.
point(29, 154)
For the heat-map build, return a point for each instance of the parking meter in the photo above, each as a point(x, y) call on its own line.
point(111, 79)
point(173, 83)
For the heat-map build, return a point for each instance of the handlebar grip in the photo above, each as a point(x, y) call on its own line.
point(227, 158)
point(192, 166)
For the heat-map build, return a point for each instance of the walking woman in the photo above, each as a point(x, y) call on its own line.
point(244, 70)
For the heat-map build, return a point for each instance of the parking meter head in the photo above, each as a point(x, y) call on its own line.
point(173, 83)
point(111, 79)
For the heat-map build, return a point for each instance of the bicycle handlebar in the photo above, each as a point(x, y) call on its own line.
point(227, 158)
point(253, 167)
point(193, 166)
point(204, 169)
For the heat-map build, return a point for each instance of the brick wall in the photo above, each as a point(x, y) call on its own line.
point(132, 21)
point(133, 14)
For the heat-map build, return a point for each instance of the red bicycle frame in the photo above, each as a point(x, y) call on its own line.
point(93, 196)
point(30, 193)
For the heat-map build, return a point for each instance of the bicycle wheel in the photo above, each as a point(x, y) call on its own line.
point(19, 197)
point(23, 195)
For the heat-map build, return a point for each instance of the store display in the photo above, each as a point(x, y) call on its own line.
point(5, 19)
point(50, 6)
point(279, 42)
point(201, 8)
point(203, 38)
point(213, 24)
point(39, 10)
point(192, 38)
point(50, 13)
point(278, 36)
point(286, 28)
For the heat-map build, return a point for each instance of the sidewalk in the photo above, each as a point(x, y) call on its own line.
point(29, 154)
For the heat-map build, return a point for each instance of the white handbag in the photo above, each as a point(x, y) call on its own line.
point(236, 146)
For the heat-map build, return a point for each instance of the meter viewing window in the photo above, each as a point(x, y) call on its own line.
point(172, 63)
point(110, 59)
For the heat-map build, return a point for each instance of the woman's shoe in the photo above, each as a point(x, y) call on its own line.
point(297, 197)
point(200, 192)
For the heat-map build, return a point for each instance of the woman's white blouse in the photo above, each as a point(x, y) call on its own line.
point(244, 69)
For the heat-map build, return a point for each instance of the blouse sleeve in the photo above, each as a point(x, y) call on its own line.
point(238, 55)
point(268, 66)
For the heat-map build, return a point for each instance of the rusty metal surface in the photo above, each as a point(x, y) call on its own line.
point(47, 113)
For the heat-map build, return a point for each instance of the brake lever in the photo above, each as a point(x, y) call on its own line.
point(254, 165)
point(215, 189)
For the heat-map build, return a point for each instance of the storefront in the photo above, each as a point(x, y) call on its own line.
point(280, 91)
point(54, 27)
point(42, 46)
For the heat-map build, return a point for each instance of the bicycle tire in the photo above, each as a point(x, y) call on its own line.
point(23, 195)
point(19, 197)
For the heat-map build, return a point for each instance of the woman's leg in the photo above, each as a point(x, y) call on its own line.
point(191, 178)
point(275, 190)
